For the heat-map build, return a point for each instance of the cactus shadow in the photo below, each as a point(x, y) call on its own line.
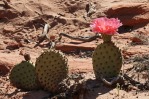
point(96, 89)
point(37, 94)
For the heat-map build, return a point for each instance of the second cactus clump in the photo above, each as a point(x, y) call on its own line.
point(107, 58)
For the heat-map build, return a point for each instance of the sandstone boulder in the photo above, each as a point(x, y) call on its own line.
point(6, 12)
point(4, 67)
point(131, 14)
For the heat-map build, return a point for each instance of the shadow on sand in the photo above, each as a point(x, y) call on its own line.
point(96, 88)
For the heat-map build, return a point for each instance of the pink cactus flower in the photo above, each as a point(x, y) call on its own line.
point(108, 26)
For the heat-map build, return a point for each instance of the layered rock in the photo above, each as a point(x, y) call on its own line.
point(131, 14)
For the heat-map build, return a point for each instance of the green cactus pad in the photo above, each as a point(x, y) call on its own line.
point(23, 76)
point(107, 60)
point(51, 68)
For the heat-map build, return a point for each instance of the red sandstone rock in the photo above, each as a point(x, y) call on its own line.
point(4, 67)
point(66, 47)
point(8, 28)
point(136, 40)
point(130, 14)
point(14, 45)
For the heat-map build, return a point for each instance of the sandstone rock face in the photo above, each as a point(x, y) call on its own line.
point(131, 14)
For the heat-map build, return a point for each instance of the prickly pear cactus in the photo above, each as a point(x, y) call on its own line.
point(107, 59)
point(23, 76)
point(51, 69)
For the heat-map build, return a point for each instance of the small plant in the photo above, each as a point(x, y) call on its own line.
point(23, 76)
point(118, 89)
point(107, 58)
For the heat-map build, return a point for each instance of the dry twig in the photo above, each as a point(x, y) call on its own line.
point(84, 39)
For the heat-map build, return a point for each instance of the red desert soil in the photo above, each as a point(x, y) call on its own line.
point(21, 21)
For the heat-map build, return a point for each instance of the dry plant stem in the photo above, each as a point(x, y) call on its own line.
point(136, 83)
point(133, 82)
point(113, 82)
point(43, 36)
point(89, 39)
point(118, 88)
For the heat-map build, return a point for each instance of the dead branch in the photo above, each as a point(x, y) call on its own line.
point(43, 36)
point(113, 82)
point(87, 39)
point(141, 86)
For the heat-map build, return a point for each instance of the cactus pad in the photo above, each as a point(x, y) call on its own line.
point(23, 76)
point(107, 60)
point(51, 69)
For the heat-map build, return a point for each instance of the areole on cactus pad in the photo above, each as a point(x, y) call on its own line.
point(107, 58)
